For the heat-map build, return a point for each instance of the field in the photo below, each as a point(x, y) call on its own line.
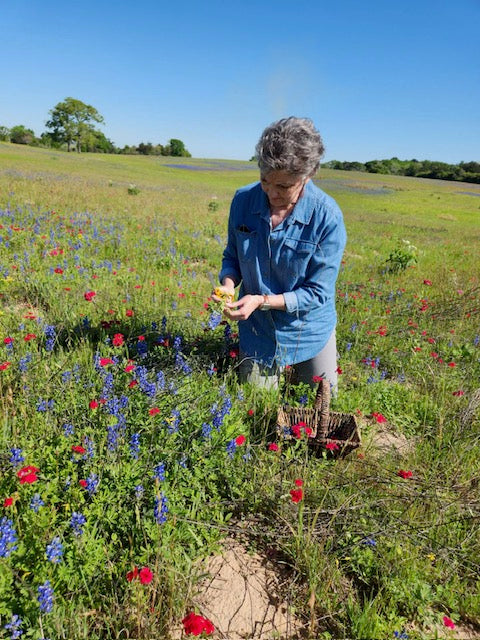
point(129, 452)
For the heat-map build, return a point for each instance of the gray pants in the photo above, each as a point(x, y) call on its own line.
point(324, 364)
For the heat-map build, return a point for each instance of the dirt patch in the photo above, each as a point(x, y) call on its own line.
point(240, 595)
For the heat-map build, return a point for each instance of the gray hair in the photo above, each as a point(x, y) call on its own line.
point(292, 145)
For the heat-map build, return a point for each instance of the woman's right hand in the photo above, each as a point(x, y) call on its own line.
point(225, 293)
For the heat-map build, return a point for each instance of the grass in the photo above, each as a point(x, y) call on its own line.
point(141, 376)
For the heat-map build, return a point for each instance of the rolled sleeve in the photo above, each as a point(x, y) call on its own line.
point(291, 301)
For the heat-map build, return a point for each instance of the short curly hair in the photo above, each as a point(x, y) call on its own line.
point(290, 144)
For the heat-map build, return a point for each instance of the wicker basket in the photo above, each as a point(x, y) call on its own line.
point(337, 430)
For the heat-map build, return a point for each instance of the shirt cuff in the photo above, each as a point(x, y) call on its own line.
point(291, 301)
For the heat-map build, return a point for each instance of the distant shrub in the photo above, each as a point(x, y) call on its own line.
point(402, 257)
point(213, 206)
point(133, 190)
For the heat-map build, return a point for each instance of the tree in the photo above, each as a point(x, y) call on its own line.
point(71, 122)
point(176, 148)
point(22, 135)
point(4, 134)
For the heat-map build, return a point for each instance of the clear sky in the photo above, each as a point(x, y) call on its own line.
point(378, 78)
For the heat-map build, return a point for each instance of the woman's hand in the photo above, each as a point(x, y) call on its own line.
point(225, 293)
point(242, 308)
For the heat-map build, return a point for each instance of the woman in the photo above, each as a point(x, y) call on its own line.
point(285, 243)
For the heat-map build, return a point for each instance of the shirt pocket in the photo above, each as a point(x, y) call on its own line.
point(296, 255)
point(247, 252)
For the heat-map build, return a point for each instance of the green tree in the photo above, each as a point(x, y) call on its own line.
point(22, 135)
point(176, 148)
point(4, 134)
point(71, 122)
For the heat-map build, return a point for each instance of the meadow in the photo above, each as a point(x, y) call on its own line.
point(128, 450)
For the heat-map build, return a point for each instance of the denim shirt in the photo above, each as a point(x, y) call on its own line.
point(299, 258)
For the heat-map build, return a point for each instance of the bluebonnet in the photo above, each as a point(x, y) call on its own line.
point(77, 521)
point(66, 376)
point(160, 509)
point(139, 491)
point(36, 502)
point(149, 388)
point(45, 597)
point(174, 421)
point(135, 445)
point(112, 437)
point(160, 381)
point(348, 346)
point(303, 399)
point(164, 323)
point(142, 348)
point(92, 483)
point(23, 362)
point(54, 550)
point(177, 343)
point(181, 363)
point(206, 430)
point(8, 537)
point(401, 635)
point(16, 456)
point(50, 335)
point(86, 324)
point(68, 429)
point(159, 472)
point(211, 370)
point(14, 627)
point(214, 320)
point(231, 448)
point(45, 405)
point(227, 333)
point(183, 461)
point(476, 340)
point(89, 446)
point(369, 542)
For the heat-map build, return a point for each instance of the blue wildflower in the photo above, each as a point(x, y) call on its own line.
point(8, 537)
point(36, 502)
point(214, 320)
point(369, 542)
point(45, 597)
point(14, 627)
point(159, 472)
point(206, 430)
point(231, 448)
point(16, 457)
point(77, 521)
point(50, 335)
point(135, 445)
point(54, 550)
point(139, 490)
point(160, 509)
point(68, 429)
point(92, 483)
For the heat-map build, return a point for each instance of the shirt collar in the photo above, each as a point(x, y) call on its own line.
point(302, 212)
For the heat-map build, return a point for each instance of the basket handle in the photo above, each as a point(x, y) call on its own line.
point(322, 402)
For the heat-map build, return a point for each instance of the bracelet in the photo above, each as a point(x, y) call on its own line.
point(265, 306)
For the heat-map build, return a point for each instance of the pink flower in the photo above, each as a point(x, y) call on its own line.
point(405, 474)
point(195, 625)
point(448, 622)
point(296, 495)
point(8, 502)
point(153, 411)
point(145, 575)
point(299, 482)
point(93, 404)
point(83, 483)
point(332, 446)
point(379, 417)
point(427, 282)
point(89, 295)
point(118, 340)
point(317, 379)
point(131, 575)
point(239, 440)
point(273, 446)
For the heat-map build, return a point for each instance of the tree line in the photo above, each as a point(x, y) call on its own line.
point(463, 172)
point(71, 126)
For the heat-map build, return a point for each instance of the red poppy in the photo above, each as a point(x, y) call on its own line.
point(27, 475)
point(145, 575)
point(239, 440)
point(296, 495)
point(8, 502)
point(76, 448)
point(89, 295)
point(131, 575)
point(195, 625)
point(448, 622)
point(153, 411)
point(118, 340)
point(405, 474)
point(332, 446)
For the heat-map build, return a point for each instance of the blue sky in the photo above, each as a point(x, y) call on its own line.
point(378, 78)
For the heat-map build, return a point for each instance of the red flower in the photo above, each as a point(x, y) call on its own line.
point(8, 502)
point(7, 340)
point(452, 364)
point(250, 412)
point(4, 365)
point(379, 417)
point(239, 440)
point(405, 474)
point(131, 575)
point(153, 411)
point(93, 404)
point(29, 336)
point(317, 379)
point(58, 270)
point(89, 295)
point(195, 625)
point(27, 475)
point(105, 361)
point(145, 575)
point(332, 446)
point(118, 340)
point(299, 482)
point(448, 622)
point(129, 367)
point(76, 448)
point(129, 313)
point(339, 370)
point(458, 393)
point(296, 495)
point(427, 282)
point(233, 353)
point(273, 446)
point(82, 483)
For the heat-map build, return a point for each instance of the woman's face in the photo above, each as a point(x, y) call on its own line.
point(282, 188)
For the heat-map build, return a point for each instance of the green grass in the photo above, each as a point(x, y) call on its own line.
point(372, 553)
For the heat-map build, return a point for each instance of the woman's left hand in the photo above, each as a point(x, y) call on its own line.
point(242, 308)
